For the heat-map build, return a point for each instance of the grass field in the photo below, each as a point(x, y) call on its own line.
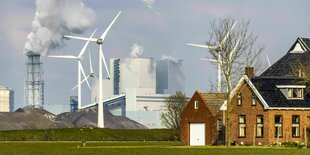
point(89, 134)
point(137, 147)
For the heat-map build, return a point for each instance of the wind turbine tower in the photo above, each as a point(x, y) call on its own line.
point(101, 57)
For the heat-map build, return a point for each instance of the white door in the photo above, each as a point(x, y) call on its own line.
point(197, 134)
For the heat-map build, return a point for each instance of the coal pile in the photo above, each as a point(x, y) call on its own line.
point(34, 118)
point(89, 117)
point(26, 119)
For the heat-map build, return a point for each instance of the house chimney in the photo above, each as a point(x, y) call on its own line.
point(249, 71)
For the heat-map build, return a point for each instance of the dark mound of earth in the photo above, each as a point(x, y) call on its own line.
point(33, 118)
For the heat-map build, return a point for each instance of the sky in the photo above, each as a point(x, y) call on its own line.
point(161, 27)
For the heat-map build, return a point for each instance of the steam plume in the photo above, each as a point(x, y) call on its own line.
point(52, 20)
point(165, 57)
point(149, 3)
point(136, 50)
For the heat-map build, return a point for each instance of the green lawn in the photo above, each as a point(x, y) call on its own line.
point(137, 147)
point(89, 134)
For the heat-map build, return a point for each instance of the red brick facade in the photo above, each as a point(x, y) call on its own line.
point(201, 115)
point(251, 112)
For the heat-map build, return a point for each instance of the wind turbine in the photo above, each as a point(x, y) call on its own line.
point(90, 75)
point(218, 48)
point(99, 41)
point(79, 58)
point(268, 60)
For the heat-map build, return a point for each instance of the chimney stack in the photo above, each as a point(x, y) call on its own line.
point(34, 89)
point(249, 71)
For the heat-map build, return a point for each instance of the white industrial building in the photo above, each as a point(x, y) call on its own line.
point(170, 76)
point(146, 83)
point(6, 99)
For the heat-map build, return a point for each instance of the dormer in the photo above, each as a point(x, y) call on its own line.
point(292, 92)
point(300, 46)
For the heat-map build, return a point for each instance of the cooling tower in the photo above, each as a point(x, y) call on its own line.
point(34, 85)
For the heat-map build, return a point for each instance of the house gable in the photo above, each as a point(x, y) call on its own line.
point(246, 81)
point(191, 113)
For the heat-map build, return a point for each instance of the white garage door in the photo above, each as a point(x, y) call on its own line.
point(197, 134)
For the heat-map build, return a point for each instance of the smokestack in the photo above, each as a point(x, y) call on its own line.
point(34, 89)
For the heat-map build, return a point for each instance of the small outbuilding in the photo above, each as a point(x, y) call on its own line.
point(201, 120)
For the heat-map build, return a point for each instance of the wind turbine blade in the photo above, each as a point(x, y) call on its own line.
point(81, 82)
point(234, 49)
point(86, 44)
point(105, 64)
point(90, 63)
point(228, 33)
point(63, 56)
point(109, 27)
point(81, 38)
point(82, 70)
point(211, 60)
point(268, 60)
point(202, 46)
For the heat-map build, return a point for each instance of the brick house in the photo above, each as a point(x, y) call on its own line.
point(275, 106)
point(271, 108)
point(201, 120)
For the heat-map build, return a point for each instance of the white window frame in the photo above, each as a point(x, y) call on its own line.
point(196, 106)
point(239, 100)
point(254, 100)
point(242, 126)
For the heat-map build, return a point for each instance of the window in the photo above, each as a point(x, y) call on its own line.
point(219, 125)
point(295, 93)
point(278, 126)
point(254, 100)
point(295, 126)
point(242, 126)
point(259, 126)
point(196, 105)
point(239, 100)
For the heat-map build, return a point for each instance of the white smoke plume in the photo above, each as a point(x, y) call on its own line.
point(165, 57)
point(136, 50)
point(52, 20)
point(149, 3)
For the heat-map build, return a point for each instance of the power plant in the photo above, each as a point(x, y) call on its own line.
point(34, 83)
point(144, 83)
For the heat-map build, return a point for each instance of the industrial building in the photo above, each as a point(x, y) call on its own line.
point(6, 99)
point(146, 83)
point(170, 76)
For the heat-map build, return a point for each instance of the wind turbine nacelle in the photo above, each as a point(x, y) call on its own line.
point(99, 41)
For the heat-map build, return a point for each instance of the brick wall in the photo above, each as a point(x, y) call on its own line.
point(287, 125)
point(250, 112)
point(200, 115)
point(269, 120)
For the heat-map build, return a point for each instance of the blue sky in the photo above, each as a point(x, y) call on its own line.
point(163, 30)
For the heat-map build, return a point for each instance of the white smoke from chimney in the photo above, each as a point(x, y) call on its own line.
point(149, 3)
point(52, 20)
point(136, 50)
point(165, 57)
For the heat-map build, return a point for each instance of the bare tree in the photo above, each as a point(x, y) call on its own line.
point(301, 72)
point(237, 52)
point(174, 105)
